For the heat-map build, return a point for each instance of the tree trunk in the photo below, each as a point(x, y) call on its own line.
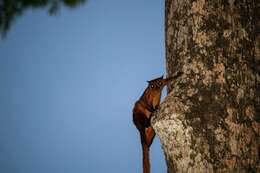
point(210, 121)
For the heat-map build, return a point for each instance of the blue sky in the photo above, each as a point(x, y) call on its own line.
point(68, 85)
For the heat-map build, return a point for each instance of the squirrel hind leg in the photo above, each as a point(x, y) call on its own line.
point(149, 135)
point(141, 121)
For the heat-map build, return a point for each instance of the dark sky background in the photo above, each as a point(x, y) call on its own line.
point(68, 85)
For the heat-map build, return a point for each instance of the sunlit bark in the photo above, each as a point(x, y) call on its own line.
point(209, 122)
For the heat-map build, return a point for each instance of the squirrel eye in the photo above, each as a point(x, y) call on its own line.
point(152, 86)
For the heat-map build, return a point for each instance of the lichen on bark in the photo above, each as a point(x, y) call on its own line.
point(210, 121)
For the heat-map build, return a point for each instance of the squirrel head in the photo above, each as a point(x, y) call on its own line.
point(158, 83)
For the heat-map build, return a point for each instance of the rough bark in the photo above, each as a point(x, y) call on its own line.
point(210, 121)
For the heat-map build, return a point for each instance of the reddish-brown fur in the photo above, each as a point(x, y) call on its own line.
point(142, 113)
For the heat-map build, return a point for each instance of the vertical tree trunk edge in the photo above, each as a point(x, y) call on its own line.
point(210, 121)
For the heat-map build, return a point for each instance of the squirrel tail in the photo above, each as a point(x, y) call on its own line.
point(146, 159)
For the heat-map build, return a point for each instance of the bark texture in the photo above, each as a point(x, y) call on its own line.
point(210, 121)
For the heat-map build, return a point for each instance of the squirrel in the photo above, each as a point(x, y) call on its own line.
point(142, 113)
